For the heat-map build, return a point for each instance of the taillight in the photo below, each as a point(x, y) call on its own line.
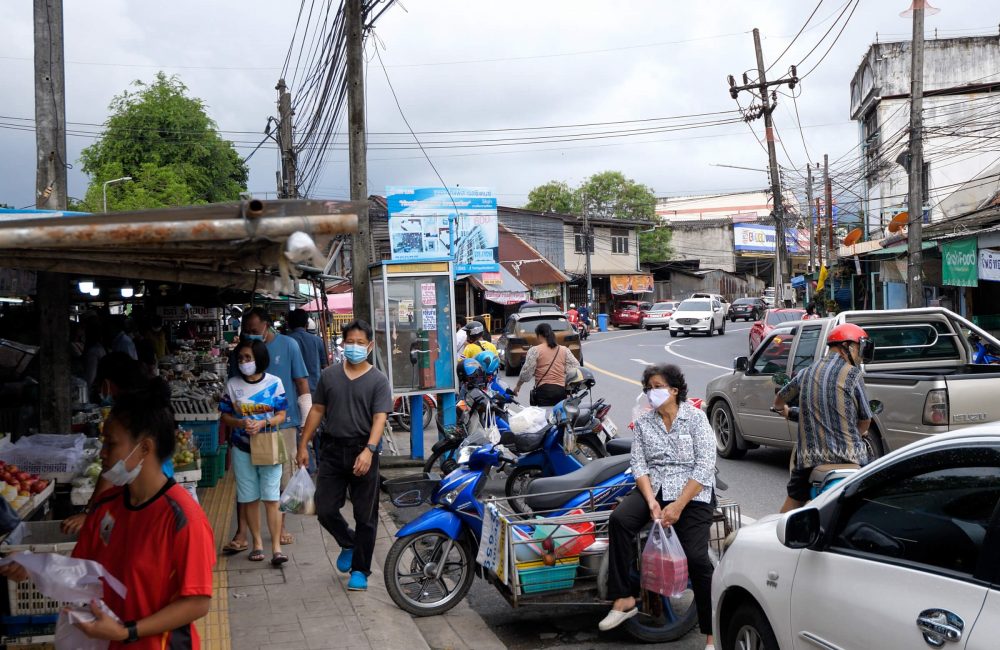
point(936, 407)
point(603, 411)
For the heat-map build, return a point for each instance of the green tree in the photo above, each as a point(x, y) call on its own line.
point(654, 245)
point(554, 196)
point(166, 142)
point(610, 195)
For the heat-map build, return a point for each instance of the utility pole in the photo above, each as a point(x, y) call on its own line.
point(361, 243)
point(812, 225)
point(288, 187)
point(761, 86)
point(54, 398)
point(588, 239)
point(828, 197)
point(915, 256)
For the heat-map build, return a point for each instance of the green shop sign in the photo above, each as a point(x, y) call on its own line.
point(960, 266)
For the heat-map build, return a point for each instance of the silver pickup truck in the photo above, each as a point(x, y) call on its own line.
point(922, 373)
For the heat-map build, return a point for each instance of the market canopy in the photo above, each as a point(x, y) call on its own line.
point(338, 303)
point(500, 287)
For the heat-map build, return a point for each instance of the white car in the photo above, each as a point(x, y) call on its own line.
point(698, 316)
point(715, 296)
point(659, 315)
point(903, 554)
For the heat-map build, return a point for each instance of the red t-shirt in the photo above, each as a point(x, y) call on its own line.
point(161, 550)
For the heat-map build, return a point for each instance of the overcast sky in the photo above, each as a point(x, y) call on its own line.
point(470, 65)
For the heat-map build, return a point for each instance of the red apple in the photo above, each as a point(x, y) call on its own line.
point(13, 469)
point(39, 486)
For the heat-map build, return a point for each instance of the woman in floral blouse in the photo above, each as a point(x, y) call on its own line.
point(673, 462)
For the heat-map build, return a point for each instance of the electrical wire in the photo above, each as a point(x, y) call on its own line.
point(796, 37)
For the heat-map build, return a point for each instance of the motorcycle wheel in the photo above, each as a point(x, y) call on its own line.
point(411, 565)
point(589, 450)
point(517, 484)
point(438, 457)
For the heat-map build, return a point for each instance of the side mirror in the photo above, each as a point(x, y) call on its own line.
point(741, 364)
point(799, 528)
point(780, 379)
point(876, 406)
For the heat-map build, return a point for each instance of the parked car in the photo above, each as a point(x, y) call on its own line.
point(768, 296)
point(519, 335)
point(659, 315)
point(629, 313)
point(747, 308)
point(715, 296)
point(771, 319)
point(922, 373)
point(900, 555)
point(538, 308)
point(698, 315)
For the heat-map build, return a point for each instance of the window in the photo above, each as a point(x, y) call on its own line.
point(578, 238)
point(805, 353)
point(619, 241)
point(933, 510)
point(923, 341)
point(785, 316)
point(773, 358)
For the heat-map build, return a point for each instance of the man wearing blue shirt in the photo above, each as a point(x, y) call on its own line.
point(313, 351)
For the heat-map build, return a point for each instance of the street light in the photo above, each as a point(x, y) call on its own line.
point(104, 188)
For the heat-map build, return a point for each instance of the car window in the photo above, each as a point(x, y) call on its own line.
point(694, 305)
point(510, 326)
point(805, 353)
point(661, 306)
point(646, 306)
point(526, 326)
point(716, 304)
point(744, 301)
point(629, 307)
point(776, 317)
point(773, 358)
point(935, 515)
point(926, 341)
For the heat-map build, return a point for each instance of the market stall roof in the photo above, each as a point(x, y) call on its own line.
point(243, 245)
point(528, 265)
point(507, 291)
point(338, 303)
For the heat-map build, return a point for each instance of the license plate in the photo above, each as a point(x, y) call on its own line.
point(609, 428)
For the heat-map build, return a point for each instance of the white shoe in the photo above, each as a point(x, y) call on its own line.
point(616, 618)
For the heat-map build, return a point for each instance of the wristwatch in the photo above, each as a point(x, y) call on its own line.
point(372, 448)
point(133, 632)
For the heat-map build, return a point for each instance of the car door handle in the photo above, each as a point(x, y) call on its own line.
point(939, 626)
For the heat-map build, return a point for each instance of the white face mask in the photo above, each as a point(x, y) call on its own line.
point(118, 475)
point(248, 368)
point(657, 397)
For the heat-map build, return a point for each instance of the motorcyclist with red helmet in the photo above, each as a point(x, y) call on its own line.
point(834, 414)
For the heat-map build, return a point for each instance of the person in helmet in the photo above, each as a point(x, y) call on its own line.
point(572, 314)
point(834, 414)
point(474, 341)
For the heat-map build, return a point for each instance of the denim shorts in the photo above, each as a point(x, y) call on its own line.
point(255, 482)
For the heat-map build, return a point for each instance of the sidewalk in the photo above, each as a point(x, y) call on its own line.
point(306, 605)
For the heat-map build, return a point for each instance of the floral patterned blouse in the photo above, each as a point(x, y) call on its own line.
point(671, 458)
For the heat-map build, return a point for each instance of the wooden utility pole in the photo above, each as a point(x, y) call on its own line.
point(361, 243)
point(812, 226)
point(828, 197)
point(288, 187)
point(588, 239)
point(914, 247)
point(54, 398)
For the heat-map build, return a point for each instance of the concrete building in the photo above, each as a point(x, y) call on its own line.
point(736, 206)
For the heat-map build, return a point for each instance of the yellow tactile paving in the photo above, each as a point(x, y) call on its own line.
point(218, 505)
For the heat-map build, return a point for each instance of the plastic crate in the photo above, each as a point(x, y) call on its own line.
point(536, 577)
point(213, 466)
point(204, 429)
point(21, 626)
point(39, 537)
point(46, 642)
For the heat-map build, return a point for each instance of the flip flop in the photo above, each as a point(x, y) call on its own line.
point(287, 538)
point(234, 547)
point(256, 555)
point(278, 559)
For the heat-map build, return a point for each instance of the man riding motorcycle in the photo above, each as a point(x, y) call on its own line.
point(475, 343)
point(577, 321)
point(834, 413)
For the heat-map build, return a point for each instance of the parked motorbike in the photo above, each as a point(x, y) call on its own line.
point(983, 353)
point(337, 351)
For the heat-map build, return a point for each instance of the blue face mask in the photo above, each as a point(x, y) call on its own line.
point(355, 353)
point(254, 337)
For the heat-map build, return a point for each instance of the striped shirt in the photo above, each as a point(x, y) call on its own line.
point(832, 400)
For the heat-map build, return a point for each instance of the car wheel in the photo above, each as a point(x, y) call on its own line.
point(722, 329)
point(748, 629)
point(649, 328)
point(711, 330)
point(725, 431)
point(673, 334)
point(873, 444)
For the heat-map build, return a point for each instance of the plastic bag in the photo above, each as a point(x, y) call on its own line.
point(664, 564)
point(529, 420)
point(298, 495)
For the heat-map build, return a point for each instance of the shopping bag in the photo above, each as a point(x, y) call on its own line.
point(298, 495)
point(664, 564)
point(265, 448)
point(528, 420)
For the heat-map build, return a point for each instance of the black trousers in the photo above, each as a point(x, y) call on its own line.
point(335, 481)
point(547, 395)
point(693, 531)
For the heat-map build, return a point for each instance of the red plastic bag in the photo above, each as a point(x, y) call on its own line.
point(664, 564)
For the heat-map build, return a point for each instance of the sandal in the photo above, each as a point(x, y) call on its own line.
point(278, 559)
point(287, 538)
point(257, 555)
point(234, 547)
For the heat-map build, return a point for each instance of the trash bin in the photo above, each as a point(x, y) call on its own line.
point(602, 322)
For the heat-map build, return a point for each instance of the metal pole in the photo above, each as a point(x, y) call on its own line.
point(361, 243)
point(828, 194)
point(914, 262)
point(104, 188)
point(588, 239)
point(812, 226)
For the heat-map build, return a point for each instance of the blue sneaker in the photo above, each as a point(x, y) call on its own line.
point(344, 560)
point(358, 582)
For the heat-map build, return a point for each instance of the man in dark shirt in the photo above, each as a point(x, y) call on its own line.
point(352, 401)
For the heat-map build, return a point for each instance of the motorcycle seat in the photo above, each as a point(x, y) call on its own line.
point(619, 446)
point(528, 442)
point(822, 473)
point(591, 474)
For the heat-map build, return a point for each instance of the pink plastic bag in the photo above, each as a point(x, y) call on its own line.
point(664, 564)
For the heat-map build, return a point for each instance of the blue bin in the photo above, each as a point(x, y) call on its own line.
point(602, 322)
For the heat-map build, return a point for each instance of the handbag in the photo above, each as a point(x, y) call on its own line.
point(265, 447)
point(533, 395)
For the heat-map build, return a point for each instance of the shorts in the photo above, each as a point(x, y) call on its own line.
point(799, 485)
point(290, 440)
point(255, 482)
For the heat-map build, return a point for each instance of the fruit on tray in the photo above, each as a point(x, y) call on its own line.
point(18, 485)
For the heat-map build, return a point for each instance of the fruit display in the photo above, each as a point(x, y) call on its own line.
point(17, 486)
point(185, 451)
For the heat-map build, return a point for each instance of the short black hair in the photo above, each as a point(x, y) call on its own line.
point(461, 321)
point(120, 369)
point(361, 326)
point(672, 374)
point(258, 348)
point(146, 413)
point(298, 318)
point(260, 313)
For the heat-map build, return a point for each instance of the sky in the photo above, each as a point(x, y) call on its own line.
point(472, 66)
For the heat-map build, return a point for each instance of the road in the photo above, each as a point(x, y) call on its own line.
point(617, 359)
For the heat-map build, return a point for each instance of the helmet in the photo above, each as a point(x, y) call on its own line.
point(579, 379)
point(489, 361)
point(572, 305)
point(846, 333)
point(474, 328)
point(471, 372)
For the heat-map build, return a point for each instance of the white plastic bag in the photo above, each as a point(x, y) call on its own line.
point(298, 495)
point(664, 564)
point(529, 420)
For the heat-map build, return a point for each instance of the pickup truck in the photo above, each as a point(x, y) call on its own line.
point(922, 373)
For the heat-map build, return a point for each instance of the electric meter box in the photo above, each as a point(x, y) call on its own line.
point(413, 315)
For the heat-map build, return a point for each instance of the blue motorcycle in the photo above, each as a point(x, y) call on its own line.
point(983, 353)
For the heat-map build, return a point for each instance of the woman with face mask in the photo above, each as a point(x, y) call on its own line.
point(146, 531)
point(673, 462)
point(255, 402)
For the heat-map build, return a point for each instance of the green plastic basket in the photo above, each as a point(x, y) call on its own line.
point(213, 466)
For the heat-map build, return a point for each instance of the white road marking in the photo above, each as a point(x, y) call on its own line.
point(678, 354)
point(642, 361)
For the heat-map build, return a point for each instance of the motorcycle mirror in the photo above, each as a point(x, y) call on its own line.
point(780, 379)
point(876, 406)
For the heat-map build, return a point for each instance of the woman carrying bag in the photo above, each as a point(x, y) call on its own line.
point(254, 406)
point(548, 363)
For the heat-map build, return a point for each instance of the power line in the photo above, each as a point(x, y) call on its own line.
point(796, 37)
